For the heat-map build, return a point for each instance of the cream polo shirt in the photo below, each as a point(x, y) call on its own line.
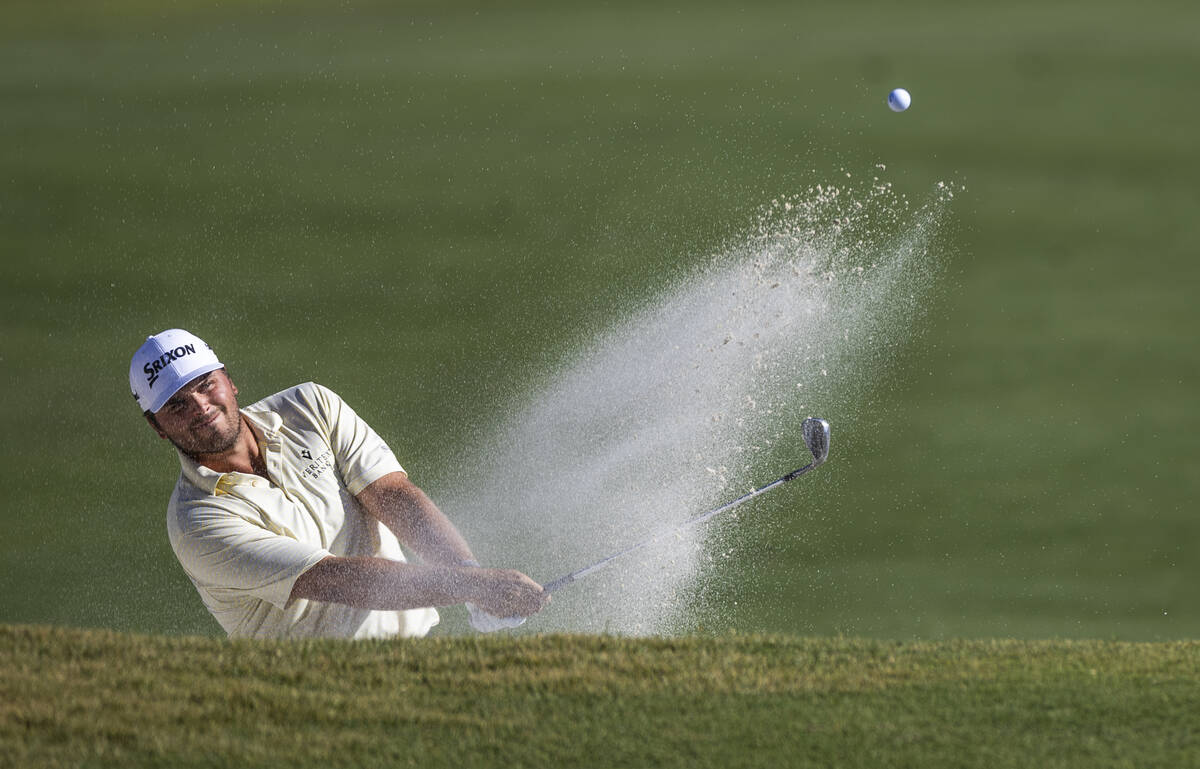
point(243, 540)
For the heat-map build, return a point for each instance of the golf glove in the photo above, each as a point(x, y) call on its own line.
point(484, 622)
point(490, 623)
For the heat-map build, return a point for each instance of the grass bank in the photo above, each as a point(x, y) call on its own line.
point(99, 698)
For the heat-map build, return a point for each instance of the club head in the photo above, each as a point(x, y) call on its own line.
point(816, 437)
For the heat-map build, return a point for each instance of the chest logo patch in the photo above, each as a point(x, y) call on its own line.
point(318, 465)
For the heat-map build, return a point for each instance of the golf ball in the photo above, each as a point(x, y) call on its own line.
point(899, 99)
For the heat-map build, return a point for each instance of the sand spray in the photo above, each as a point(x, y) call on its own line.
point(674, 408)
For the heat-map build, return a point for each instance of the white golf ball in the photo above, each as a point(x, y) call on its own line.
point(899, 99)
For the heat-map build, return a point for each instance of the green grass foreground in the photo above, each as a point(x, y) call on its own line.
point(99, 698)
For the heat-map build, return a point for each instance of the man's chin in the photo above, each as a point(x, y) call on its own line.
point(218, 443)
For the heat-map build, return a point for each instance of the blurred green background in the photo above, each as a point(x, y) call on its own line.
point(424, 207)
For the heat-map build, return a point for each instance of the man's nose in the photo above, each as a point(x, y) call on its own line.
point(197, 404)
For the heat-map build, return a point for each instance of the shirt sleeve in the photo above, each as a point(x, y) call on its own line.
point(362, 456)
point(232, 556)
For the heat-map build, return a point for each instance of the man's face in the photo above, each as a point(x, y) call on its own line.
point(203, 417)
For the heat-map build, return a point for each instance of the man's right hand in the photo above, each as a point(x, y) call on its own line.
point(507, 593)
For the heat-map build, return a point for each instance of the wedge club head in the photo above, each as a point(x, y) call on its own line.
point(816, 437)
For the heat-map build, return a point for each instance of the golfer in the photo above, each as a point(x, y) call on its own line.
point(289, 514)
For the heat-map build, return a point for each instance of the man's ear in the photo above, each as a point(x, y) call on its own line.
point(154, 423)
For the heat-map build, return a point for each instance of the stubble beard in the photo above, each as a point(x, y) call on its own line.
point(217, 443)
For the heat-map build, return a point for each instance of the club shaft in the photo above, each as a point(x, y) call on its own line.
point(578, 574)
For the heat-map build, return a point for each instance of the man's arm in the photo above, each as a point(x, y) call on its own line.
point(383, 584)
point(415, 520)
point(443, 580)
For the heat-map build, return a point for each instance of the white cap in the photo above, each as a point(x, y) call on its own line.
point(165, 363)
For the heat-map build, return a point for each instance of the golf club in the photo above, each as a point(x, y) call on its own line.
point(816, 438)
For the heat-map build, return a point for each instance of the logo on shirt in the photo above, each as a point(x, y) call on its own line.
point(318, 465)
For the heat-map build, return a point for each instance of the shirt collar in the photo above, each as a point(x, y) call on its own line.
point(212, 482)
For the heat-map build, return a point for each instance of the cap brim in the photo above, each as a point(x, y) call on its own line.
point(184, 380)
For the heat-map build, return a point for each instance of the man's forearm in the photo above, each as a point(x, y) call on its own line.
point(441, 580)
point(382, 584)
point(415, 520)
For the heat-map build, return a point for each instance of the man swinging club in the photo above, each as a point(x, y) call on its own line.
point(289, 514)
